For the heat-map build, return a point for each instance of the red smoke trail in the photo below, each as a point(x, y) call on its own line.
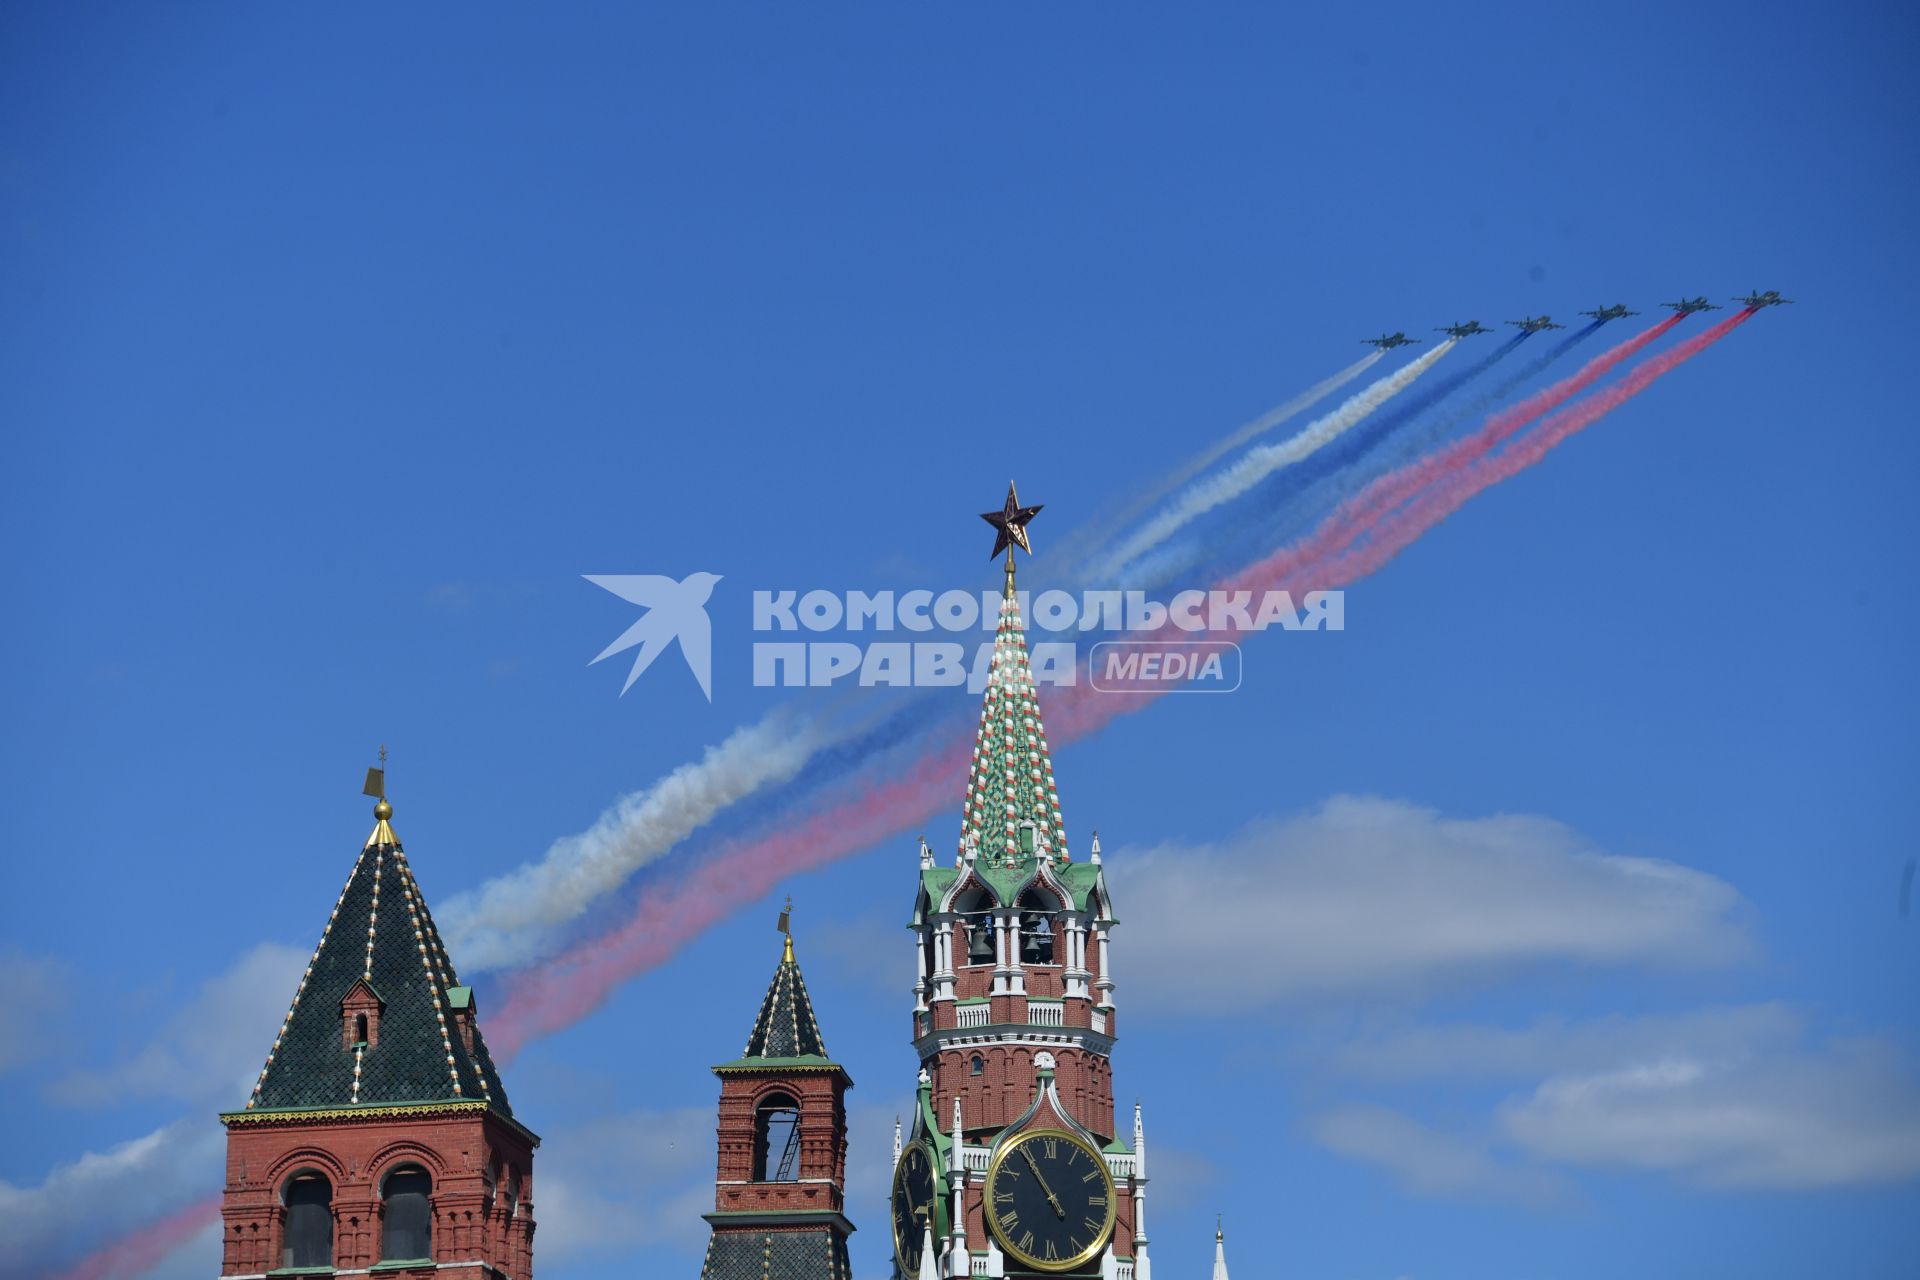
point(543, 1000)
point(144, 1249)
point(1394, 488)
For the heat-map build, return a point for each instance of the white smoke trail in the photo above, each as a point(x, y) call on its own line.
point(517, 917)
point(1262, 461)
point(1099, 530)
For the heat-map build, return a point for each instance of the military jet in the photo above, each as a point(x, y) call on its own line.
point(1771, 298)
point(1618, 311)
point(1534, 324)
point(1466, 330)
point(1687, 306)
point(1388, 341)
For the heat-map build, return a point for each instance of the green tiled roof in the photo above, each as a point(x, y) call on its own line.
point(382, 934)
point(1010, 780)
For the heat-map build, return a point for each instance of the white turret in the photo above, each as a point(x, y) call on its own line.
point(1219, 1253)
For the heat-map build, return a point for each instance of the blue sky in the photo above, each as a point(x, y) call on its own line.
point(334, 348)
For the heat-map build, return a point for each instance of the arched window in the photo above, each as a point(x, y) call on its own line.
point(406, 1221)
point(1036, 927)
point(975, 909)
point(309, 1236)
point(978, 1066)
point(776, 1139)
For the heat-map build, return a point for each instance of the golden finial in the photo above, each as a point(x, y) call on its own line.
point(785, 927)
point(376, 785)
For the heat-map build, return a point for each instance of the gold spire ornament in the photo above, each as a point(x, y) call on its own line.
point(1010, 526)
point(785, 927)
point(376, 786)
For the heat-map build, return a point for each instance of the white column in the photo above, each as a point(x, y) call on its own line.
point(1142, 1266)
point(943, 975)
point(960, 1261)
point(1104, 984)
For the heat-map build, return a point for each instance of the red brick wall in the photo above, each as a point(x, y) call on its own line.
point(355, 1154)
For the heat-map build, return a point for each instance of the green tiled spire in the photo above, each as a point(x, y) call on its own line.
point(380, 937)
point(1010, 782)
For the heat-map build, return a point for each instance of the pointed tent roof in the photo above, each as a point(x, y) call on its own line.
point(785, 1034)
point(1010, 780)
point(380, 934)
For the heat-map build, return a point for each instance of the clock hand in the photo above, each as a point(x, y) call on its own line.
point(1042, 1178)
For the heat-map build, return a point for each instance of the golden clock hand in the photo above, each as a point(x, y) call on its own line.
point(1042, 1178)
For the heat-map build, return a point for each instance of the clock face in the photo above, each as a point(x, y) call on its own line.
point(913, 1194)
point(1050, 1200)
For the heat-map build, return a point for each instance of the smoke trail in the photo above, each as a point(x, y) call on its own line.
point(1279, 522)
point(1352, 543)
point(1261, 462)
point(1474, 470)
point(513, 918)
point(1218, 449)
point(1507, 421)
point(135, 1254)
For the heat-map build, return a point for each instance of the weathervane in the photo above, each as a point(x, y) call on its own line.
point(1010, 526)
point(786, 927)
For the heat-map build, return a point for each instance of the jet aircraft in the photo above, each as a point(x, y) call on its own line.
point(1687, 306)
point(1771, 298)
point(1388, 341)
point(1534, 324)
point(1466, 330)
point(1618, 311)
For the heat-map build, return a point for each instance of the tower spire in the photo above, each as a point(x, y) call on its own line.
point(1012, 810)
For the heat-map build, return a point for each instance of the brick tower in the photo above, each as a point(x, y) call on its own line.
point(779, 1198)
point(378, 1134)
point(1014, 1019)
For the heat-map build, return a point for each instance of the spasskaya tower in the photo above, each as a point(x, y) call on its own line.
point(1013, 1164)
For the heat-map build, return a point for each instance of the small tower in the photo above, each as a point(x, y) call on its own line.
point(378, 1134)
point(779, 1199)
point(1219, 1252)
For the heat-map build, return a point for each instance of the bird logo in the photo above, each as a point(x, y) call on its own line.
point(674, 611)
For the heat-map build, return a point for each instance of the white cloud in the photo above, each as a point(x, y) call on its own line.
point(1430, 1162)
point(33, 1000)
point(1552, 1045)
point(96, 1197)
point(1741, 1096)
point(1372, 894)
point(210, 1050)
point(1835, 1115)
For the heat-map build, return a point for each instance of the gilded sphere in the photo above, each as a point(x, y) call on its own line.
point(383, 810)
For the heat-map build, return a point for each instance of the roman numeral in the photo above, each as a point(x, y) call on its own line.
point(1026, 1242)
point(1005, 1197)
point(1052, 1254)
point(1091, 1175)
point(1010, 1219)
point(1053, 1147)
point(1096, 1202)
point(1093, 1225)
